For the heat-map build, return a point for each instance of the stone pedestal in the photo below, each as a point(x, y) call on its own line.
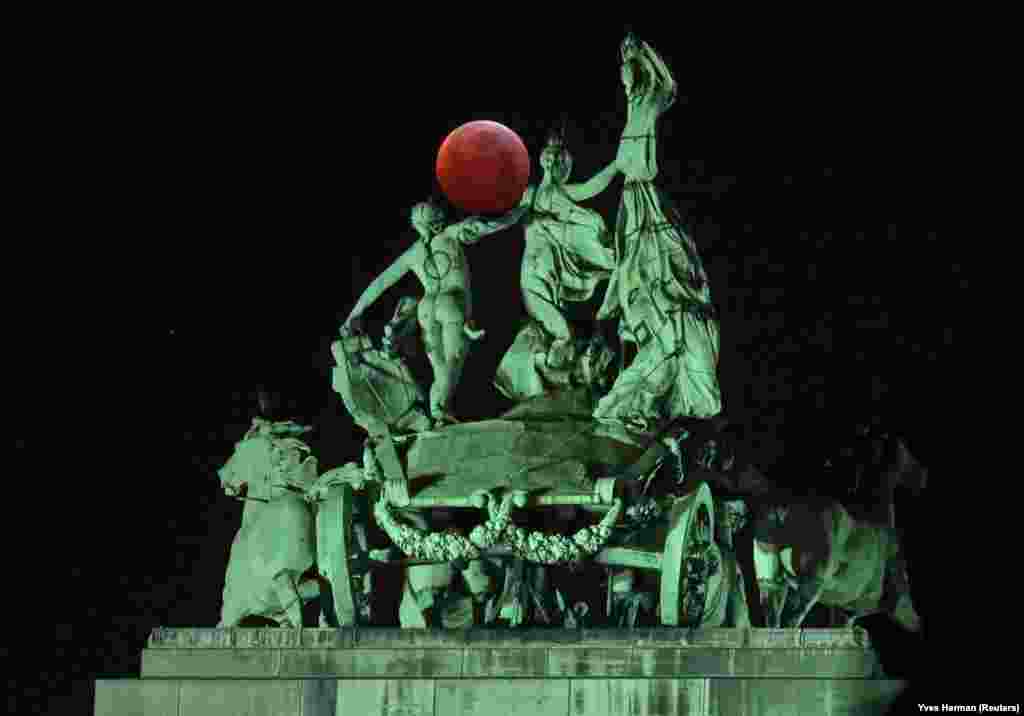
point(535, 672)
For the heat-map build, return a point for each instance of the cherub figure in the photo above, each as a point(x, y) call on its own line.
point(445, 311)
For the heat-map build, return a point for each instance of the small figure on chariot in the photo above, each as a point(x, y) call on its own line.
point(445, 311)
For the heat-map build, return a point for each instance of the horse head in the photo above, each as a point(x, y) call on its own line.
point(269, 460)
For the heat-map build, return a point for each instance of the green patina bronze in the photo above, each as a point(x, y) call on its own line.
point(614, 474)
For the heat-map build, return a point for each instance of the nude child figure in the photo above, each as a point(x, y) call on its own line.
point(446, 309)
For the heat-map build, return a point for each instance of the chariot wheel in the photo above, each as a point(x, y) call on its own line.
point(334, 542)
point(691, 524)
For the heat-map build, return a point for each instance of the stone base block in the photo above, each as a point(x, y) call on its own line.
point(391, 672)
point(486, 697)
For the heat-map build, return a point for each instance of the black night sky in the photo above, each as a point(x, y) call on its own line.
point(262, 196)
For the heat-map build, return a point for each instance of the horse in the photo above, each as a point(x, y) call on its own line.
point(272, 570)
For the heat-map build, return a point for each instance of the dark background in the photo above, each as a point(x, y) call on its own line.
point(257, 190)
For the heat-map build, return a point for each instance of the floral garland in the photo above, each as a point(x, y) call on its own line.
point(530, 545)
point(436, 547)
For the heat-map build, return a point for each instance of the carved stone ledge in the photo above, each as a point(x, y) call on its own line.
point(395, 638)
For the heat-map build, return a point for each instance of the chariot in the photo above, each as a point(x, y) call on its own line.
point(541, 486)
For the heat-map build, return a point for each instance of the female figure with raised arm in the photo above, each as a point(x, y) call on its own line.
point(659, 289)
point(445, 311)
point(567, 254)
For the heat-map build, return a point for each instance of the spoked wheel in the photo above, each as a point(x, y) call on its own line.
point(688, 558)
point(334, 543)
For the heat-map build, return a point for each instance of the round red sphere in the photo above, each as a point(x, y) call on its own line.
point(483, 167)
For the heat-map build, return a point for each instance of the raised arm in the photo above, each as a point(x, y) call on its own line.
point(659, 71)
point(471, 230)
point(383, 282)
point(593, 186)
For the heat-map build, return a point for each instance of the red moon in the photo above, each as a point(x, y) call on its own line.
point(483, 167)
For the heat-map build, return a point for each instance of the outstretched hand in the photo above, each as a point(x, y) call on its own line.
point(632, 47)
point(513, 215)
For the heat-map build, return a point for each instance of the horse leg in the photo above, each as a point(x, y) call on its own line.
point(290, 599)
point(310, 590)
point(231, 613)
point(229, 619)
